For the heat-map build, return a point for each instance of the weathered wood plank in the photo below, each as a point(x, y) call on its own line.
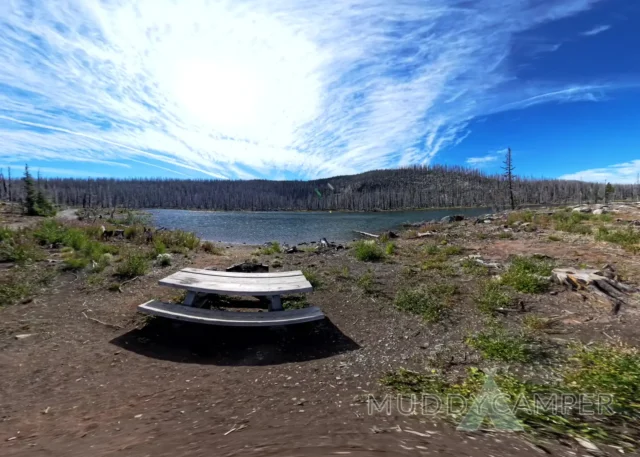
point(236, 286)
point(227, 274)
point(230, 318)
point(367, 234)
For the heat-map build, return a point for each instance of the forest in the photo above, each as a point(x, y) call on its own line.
point(379, 190)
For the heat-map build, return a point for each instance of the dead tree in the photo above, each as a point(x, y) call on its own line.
point(508, 173)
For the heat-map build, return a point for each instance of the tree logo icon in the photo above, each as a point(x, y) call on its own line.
point(491, 404)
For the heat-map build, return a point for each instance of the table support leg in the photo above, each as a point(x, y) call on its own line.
point(276, 303)
point(189, 299)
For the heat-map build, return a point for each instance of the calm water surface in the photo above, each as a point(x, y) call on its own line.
point(291, 227)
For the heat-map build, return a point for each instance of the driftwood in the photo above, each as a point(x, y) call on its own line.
point(421, 235)
point(603, 283)
point(366, 234)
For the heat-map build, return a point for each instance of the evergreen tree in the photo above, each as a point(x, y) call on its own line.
point(30, 194)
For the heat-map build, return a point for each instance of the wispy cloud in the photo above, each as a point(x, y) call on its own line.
point(482, 161)
point(596, 30)
point(53, 171)
point(244, 88)
point(621, 173)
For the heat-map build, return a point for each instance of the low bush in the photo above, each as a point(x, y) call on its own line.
point(390, 248)
point(627, 238)
point(366, 282)
point(211, 248)
point(313, 278)
point(132, 264)
point(428, 301)
point(493, 296)
point(368, 251)
point(528, 274)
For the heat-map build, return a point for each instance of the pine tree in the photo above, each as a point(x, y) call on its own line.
point(608, 191)
point(30, 206)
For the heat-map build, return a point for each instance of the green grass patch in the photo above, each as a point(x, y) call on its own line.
point(178, 240)
point(313, 277)
point(341, 273)
point(21, 250)
point(368, 251)
point(627, 238)
point(132, 264)
point(528, 274)
point(428, 301)
point(13, 289)
point(366, 282)
point(294, 302)
point(505, 235)
point(271, 248)
point(499, 345)
point(605, 379)
point(390, 248)
point(493, 296)
point(470, 266)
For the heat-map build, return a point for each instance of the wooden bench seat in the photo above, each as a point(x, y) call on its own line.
point(230, 318)
point(254, 284)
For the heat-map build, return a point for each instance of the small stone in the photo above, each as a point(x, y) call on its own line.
point(12, 438)
point(138, 416)
point(23, 336)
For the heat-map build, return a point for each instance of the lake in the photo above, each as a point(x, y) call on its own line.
point(292, 227)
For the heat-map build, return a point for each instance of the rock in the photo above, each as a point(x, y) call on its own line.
point(292, 250)
point(391, 234)
point(23, 336)
point(582, 209)
point(599, 211)
point(339, 247)
point(247, 267)
point(454, 218)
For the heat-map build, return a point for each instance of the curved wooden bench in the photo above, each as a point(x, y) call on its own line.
point(230, 318)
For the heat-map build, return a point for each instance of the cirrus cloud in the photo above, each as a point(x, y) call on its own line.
point(254, 87)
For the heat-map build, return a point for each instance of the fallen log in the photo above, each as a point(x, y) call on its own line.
point(603, 283)
point(366, 234)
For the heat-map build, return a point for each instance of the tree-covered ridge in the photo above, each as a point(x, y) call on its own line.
point(404, 188)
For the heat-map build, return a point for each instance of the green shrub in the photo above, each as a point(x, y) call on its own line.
point(366, 282)
point(20, 250)
point(390, 248)
point(428, 301)
point(158, 248)
point(13, 289)
point(313, 278)
point(493, 296)
point(498, 344)
point(431, 249)
point(50, 231)
point(367, 251)
point(178, 240)
point(75, 263)
point(528, 274)
point(164, 260)
point(520, 216)
point(134, 232)
point(211, 248)
point(132, 264)
point(6, 234)
point(627, 238)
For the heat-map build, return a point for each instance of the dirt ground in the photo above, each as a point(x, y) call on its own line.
point(94, 377)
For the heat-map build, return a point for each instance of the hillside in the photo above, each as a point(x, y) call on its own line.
point(405, 188)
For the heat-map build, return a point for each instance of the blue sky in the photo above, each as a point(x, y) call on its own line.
point(285, 89)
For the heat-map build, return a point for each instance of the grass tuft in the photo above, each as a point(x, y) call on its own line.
point(528, 274)
point(368, 251)
point(428, 301)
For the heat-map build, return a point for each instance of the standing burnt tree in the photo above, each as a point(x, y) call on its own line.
point(508, 173)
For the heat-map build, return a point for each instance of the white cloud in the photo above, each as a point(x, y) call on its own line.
point(481, 161)
point(596, 30)
point(621, 173)
point(257, 87)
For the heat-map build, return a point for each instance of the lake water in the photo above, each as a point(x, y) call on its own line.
point(292, 227)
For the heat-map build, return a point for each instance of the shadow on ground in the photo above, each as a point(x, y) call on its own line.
point(236, 346)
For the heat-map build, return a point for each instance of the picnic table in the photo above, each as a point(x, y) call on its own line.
point(270, 285)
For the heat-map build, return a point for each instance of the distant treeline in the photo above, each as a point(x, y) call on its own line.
point(404, 188)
